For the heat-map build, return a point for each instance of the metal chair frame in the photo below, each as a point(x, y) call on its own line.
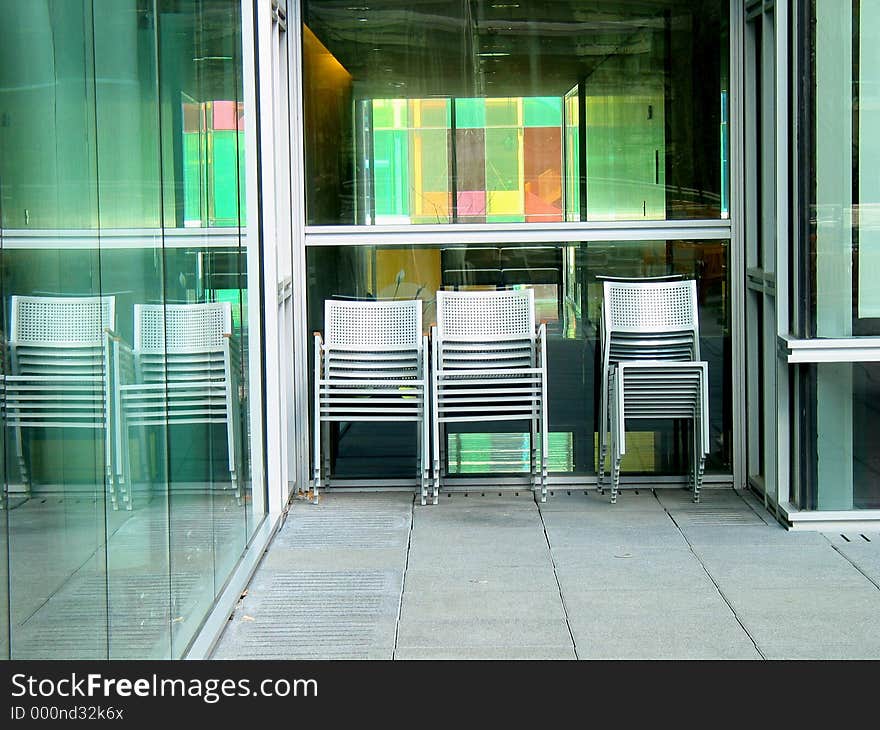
point(490, 364)
point(655, 321)
point(371, 365)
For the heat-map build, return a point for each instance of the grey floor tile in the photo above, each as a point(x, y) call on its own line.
point(474, 633)
point(464, 605)
point(685, 635)
point(488, 652)
point(807, 566)
point(481, 579)
point(641, 569)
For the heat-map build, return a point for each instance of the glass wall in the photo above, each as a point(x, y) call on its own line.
point(127, 493)
point(461, 112)
point(838, 250)
point(568, 297)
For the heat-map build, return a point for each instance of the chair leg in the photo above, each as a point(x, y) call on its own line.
point(534, 479)
point(438, 431)
point(317, 458)
point(420, 466)
point(22, 464)
point(615, 478)
point(124, 479)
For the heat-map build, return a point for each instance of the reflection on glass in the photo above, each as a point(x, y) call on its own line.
point(568, 297)
point(127, 457)
point(514, 112)
point(842, 465)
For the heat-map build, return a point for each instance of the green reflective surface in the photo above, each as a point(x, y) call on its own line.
point(121, 142)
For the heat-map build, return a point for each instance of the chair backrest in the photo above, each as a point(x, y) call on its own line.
point(649, 320)
point(373, 325)
point(61, 322)
point(486, 315)
point(650, 307)
point(162, 329)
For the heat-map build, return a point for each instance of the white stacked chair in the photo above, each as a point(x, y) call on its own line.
point(490, 364)
point(651, 329)
point(186, 365)
point(3, 431)
point(370, 366)
point(60, 373)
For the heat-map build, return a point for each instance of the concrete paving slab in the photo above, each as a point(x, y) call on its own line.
point(807, 566)
point(630, 537)
point(732, 537)
point(487, 652)
point(473, 633)
point(422, 557)
point(864, 555)
point(837, 623)
point(642, 569)
point(687, 635)
point(467, 605)
point(480, 579)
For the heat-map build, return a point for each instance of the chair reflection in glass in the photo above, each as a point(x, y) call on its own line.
point(184, 369)
point(59, 376)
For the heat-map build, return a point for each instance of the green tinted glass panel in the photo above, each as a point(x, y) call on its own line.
point(383, 114)
point(225, 178)
point(502, 159)
point(542, 111)
point(470, 113)
point(391, 174)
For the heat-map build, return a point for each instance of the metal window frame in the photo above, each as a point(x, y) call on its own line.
point(309, 236)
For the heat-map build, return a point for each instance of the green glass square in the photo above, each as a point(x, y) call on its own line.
point(470, 113)
point(542, 111)
point(502, 159)
point(383, 114)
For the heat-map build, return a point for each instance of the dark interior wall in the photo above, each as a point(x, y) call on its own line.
point(693, 110)
point(327, 88)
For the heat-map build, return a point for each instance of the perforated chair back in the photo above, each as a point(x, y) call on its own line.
point(182, 342)
point(61, 321)
point(650, 307)
point(181, 328)
point(373, 325)
point(486, 316)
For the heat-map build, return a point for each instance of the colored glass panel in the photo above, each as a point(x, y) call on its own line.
point(542, 111)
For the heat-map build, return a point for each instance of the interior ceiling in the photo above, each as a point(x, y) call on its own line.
point(415, 48)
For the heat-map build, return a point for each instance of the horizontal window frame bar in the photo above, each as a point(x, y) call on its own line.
point(474, 233)
point(129, 238)
point(841, 349)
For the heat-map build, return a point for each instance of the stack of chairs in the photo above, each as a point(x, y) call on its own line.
point(60, 371)
point(186, 366)
point(651, 367)
point(371, 365)
point(490, 364)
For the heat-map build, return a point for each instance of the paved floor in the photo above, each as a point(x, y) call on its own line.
point(492, 576)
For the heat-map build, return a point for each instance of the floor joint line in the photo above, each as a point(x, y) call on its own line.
point(711, 578)
point(412, 520)
point(556, 578)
